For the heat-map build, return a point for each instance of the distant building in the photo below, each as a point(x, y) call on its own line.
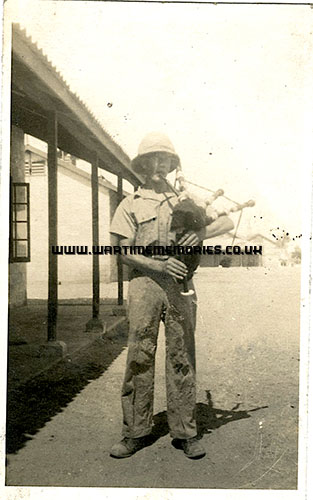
point(274, 253)
point(271, 252)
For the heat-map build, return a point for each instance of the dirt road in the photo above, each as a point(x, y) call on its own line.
point(247, 411)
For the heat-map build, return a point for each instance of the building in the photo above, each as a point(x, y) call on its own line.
point(43, 106)
point(272, 251)
point(75, 221)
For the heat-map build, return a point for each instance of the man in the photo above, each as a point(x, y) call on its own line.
point(144, 218)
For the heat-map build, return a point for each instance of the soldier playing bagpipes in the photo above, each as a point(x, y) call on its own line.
point(144, 218)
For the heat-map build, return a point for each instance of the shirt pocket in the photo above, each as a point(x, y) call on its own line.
point(147, 229)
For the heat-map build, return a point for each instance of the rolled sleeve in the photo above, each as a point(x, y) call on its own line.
point(123, 222)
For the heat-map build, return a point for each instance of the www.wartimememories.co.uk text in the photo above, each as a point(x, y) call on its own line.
point(156, 250)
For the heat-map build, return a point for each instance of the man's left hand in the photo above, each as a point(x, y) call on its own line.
point(192, 238)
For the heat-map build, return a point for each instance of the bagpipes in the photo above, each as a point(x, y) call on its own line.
point(192, 214)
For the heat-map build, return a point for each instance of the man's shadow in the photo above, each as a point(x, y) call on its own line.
point(208, 418)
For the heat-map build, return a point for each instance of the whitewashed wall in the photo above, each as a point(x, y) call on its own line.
point(74, 228)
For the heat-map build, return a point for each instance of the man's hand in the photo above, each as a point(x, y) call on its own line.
point(192, 238)
point(175, 268)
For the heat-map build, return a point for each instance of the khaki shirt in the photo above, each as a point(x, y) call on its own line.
point(145, 217)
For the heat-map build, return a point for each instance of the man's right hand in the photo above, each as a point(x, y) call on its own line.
point(175, 268)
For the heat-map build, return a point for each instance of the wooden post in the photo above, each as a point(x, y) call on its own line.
point(119, 259)
point(95, 239)
point(95, 324)
point(52, 125)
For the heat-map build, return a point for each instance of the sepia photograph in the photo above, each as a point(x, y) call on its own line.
point(157, 226)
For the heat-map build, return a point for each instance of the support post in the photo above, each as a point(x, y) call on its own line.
point(119, 258)
point(18, 270)
point(94, 324)
point(57, 348)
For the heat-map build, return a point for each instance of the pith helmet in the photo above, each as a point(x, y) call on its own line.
point(155, 142)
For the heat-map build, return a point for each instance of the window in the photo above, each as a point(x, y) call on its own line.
point(35, 164)
point(19, 222)
point(36, 168)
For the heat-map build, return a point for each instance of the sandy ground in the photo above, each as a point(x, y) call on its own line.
point(247, 410)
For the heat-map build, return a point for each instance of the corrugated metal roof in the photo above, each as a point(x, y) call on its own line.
point(31, 56)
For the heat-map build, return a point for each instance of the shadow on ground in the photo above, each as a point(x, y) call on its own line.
point(208, 419)
point(33, 404)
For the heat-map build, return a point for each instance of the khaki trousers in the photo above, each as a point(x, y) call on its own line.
point(149, 302)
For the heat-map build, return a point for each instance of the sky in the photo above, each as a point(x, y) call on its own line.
point(231, 85)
